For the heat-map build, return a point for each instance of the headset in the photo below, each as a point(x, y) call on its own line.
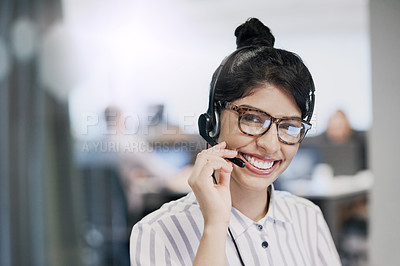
point(209, 129)
point(209, 123)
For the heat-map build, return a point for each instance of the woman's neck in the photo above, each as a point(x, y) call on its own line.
point(253, 204)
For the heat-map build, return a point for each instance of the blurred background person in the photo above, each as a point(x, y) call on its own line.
point(141, 167)
point(338, 151)
point(340, 146)
point(119, 170)
point(344, 150)
point(327, 167)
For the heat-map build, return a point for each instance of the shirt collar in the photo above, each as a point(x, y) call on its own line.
point(278, 212)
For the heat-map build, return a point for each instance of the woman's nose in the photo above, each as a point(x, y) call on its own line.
point(270, 140)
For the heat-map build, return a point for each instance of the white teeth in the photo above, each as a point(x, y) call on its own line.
point(259, 164)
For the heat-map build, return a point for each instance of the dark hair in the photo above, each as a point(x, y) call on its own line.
point(256, 62)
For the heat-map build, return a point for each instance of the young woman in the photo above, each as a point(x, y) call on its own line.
point(261, 102)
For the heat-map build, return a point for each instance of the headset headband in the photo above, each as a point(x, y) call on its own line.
point(212, 118)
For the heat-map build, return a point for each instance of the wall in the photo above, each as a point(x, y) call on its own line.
point(384, 140)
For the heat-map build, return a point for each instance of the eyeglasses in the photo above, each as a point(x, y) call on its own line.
point(254, 122)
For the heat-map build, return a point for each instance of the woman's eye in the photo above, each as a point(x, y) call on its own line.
point(252, 118)
point(292, 129)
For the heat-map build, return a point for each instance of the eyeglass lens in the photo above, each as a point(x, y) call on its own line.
point(256, 123)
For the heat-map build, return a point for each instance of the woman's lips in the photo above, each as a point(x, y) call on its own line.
point(257, 165)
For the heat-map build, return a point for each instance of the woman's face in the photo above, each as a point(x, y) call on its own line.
point(266, 151)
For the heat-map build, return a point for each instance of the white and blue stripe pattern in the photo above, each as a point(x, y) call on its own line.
point(294, 230)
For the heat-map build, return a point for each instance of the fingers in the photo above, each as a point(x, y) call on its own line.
point(214, 157)
point(211, 160)
point(214, 199)
point(205, 167)
point(225, 178)
point(214, 162)
point(220, 150)
point(219, 164)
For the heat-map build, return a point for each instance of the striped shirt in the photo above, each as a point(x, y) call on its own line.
point(293, 232)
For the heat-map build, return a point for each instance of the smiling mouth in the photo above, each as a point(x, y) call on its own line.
point(258, 163)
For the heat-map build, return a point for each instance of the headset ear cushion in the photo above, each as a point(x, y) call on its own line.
point(204, 123)
point(214, 128)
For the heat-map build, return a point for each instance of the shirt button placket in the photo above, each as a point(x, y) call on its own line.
point(264, 244)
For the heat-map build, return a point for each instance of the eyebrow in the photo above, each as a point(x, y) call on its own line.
point(257, 109)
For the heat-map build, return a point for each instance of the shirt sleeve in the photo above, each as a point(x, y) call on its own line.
point(327, 252)
point(146, 248)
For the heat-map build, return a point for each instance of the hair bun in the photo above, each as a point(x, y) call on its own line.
point(253, 33)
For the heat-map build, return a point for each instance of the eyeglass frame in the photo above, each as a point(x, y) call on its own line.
point(230, 106)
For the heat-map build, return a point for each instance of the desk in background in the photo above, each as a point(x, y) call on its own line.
point(344, 202)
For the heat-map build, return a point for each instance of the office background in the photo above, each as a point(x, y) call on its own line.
point(63, 62)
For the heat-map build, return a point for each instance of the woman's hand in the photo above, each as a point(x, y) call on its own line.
point(214, 199)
